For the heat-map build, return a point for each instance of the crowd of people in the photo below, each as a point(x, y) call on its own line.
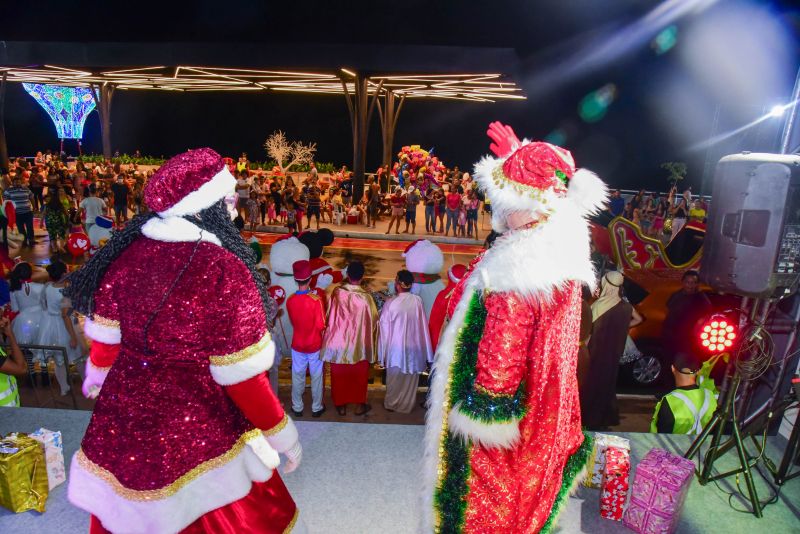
point(660, 217)
point(451, 203)
point(67, 198)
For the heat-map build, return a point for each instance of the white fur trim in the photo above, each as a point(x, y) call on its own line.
point(424, 257)
point(585, 190)
point(176, 230)
point(539, 260)
point(286, 438)
point(487, 435)
point(110, 335)
point(209, 491)
point(261, 361)
point(507, 200)
point(219, 186)
point(588, 191)
point(434, 418)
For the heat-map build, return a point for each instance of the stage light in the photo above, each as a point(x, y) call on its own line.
point(67, 106)
point(777, 111)
point(717, 334)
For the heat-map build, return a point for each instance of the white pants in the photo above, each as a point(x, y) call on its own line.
point(300, 362)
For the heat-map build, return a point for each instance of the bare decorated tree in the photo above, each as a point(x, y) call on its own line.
point(287, 154)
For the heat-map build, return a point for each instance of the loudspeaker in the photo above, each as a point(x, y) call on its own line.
point(752, 242)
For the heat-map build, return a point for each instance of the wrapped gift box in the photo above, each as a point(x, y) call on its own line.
point(53, 455)
point(598, 458)
point(659, 489)
point(614, 486)
point(23, 474)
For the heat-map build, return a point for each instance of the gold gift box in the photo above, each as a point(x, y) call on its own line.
point(23, 474)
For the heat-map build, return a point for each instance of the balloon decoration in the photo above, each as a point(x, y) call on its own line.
point(278, 294)
point(78, 244)
point(415, 160)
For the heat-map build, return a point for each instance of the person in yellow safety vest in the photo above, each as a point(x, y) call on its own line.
point(10, 365)
point(688, 408)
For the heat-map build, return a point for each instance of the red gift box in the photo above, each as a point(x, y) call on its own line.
point(614, 487)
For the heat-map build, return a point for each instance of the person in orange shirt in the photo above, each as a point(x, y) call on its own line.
point(307, 315)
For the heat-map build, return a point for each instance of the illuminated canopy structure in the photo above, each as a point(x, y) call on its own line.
point(481, 87)
point(67, 106)
point(381, 77)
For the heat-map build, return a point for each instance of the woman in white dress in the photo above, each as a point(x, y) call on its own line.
point(26, 302)
point(59, 326)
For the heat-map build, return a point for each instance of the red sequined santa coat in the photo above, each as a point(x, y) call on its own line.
point(179, 436)
point(504, 416)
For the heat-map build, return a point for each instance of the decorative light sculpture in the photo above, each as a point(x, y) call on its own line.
point(68, 107)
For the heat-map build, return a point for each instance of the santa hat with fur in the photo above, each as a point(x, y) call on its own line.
point(534, 177)
point(188, 183)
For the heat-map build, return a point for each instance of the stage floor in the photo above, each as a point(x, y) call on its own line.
point(363, 478)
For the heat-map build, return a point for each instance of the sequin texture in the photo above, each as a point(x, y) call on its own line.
point(160, 414)
point(535, 342)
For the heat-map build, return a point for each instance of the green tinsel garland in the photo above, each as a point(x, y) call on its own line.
point(575, 464)
point(451, 496)
point(495, 409)
point(476, 404)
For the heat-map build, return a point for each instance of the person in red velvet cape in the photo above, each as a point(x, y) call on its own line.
point(440, 305)
point(186, 432)
point(503, 440)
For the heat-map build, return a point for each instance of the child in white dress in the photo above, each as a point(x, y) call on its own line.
point(59, 327)
point(25, 302)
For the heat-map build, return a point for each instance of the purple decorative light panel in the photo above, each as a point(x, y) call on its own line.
point(68, 107)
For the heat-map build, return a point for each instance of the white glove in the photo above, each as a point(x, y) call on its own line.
point(390, 285)
point(93, 381)
point(293, 457)
point(324, 280)
point(287, 442)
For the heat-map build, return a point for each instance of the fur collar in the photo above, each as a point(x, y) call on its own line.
point(176, 230)
point(536, 261)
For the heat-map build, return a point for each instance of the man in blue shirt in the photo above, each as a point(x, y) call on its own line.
point(616, 205)
point(21, 196)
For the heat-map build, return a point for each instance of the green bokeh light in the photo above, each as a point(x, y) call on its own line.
point(594, 106)
point(665, 40)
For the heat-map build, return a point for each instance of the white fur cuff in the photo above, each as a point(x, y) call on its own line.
point(243, 365)
point(489, 435)
point(286, 438)
point(104, 333)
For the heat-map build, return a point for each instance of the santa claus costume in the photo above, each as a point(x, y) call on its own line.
point(425, 261)
point(186, 431)
point(440, 305)
point(503, 442)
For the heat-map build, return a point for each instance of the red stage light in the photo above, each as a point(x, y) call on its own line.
point(717, 334)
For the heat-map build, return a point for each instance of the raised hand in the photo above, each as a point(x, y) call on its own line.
point(505, 140)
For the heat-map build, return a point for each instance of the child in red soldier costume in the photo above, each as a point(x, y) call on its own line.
point(503, 442)
point(186, 431)
point(307, 314)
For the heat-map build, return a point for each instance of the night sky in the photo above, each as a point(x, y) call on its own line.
point(739, 57)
